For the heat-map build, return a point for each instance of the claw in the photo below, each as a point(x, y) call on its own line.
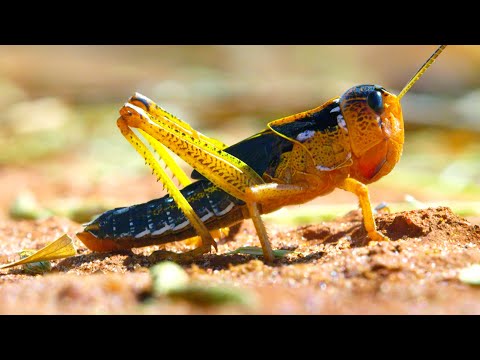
point(376, 237)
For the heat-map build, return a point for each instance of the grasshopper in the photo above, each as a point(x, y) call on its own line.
point(348, 142)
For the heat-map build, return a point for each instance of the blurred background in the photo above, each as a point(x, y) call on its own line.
point(61, 152)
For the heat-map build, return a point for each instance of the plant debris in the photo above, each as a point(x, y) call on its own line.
point(59, 249)
point(170, 280)
point(470, 275)
point(34, 268)
point(257, 251)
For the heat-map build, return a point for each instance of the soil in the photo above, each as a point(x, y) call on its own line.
point(331, 271)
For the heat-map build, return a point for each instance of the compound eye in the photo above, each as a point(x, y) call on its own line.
point(375, 101)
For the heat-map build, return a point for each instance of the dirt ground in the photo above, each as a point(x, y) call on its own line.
point(331, 271)
point(59, 142)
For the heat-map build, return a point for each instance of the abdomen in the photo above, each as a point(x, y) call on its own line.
point(160, 221)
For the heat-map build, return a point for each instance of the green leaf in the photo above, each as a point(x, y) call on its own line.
point(470, 275)
point(213, 295)
point(166, 277)
point(26, 207)
point(257, 251)
point(169, 279)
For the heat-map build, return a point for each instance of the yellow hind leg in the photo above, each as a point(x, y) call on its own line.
point(204, 154)
point(207, 240)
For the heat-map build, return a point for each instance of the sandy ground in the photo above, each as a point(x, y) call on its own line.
point(331, 271)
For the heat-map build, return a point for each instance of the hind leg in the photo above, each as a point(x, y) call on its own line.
point(207, 240)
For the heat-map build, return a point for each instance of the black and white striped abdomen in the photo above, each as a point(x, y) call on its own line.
point(161, 217)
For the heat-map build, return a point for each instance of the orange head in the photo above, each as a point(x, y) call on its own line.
point(374, 120)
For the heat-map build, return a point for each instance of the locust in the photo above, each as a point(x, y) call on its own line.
point(349, 142)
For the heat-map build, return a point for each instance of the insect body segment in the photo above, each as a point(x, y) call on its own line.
point(347, 143)
point(327, 143)
point(161, 220)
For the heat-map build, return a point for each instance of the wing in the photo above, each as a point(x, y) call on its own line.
point(320, 119)
point(259, 151)
point(262, 151)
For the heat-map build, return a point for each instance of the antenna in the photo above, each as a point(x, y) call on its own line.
point(420, 71)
